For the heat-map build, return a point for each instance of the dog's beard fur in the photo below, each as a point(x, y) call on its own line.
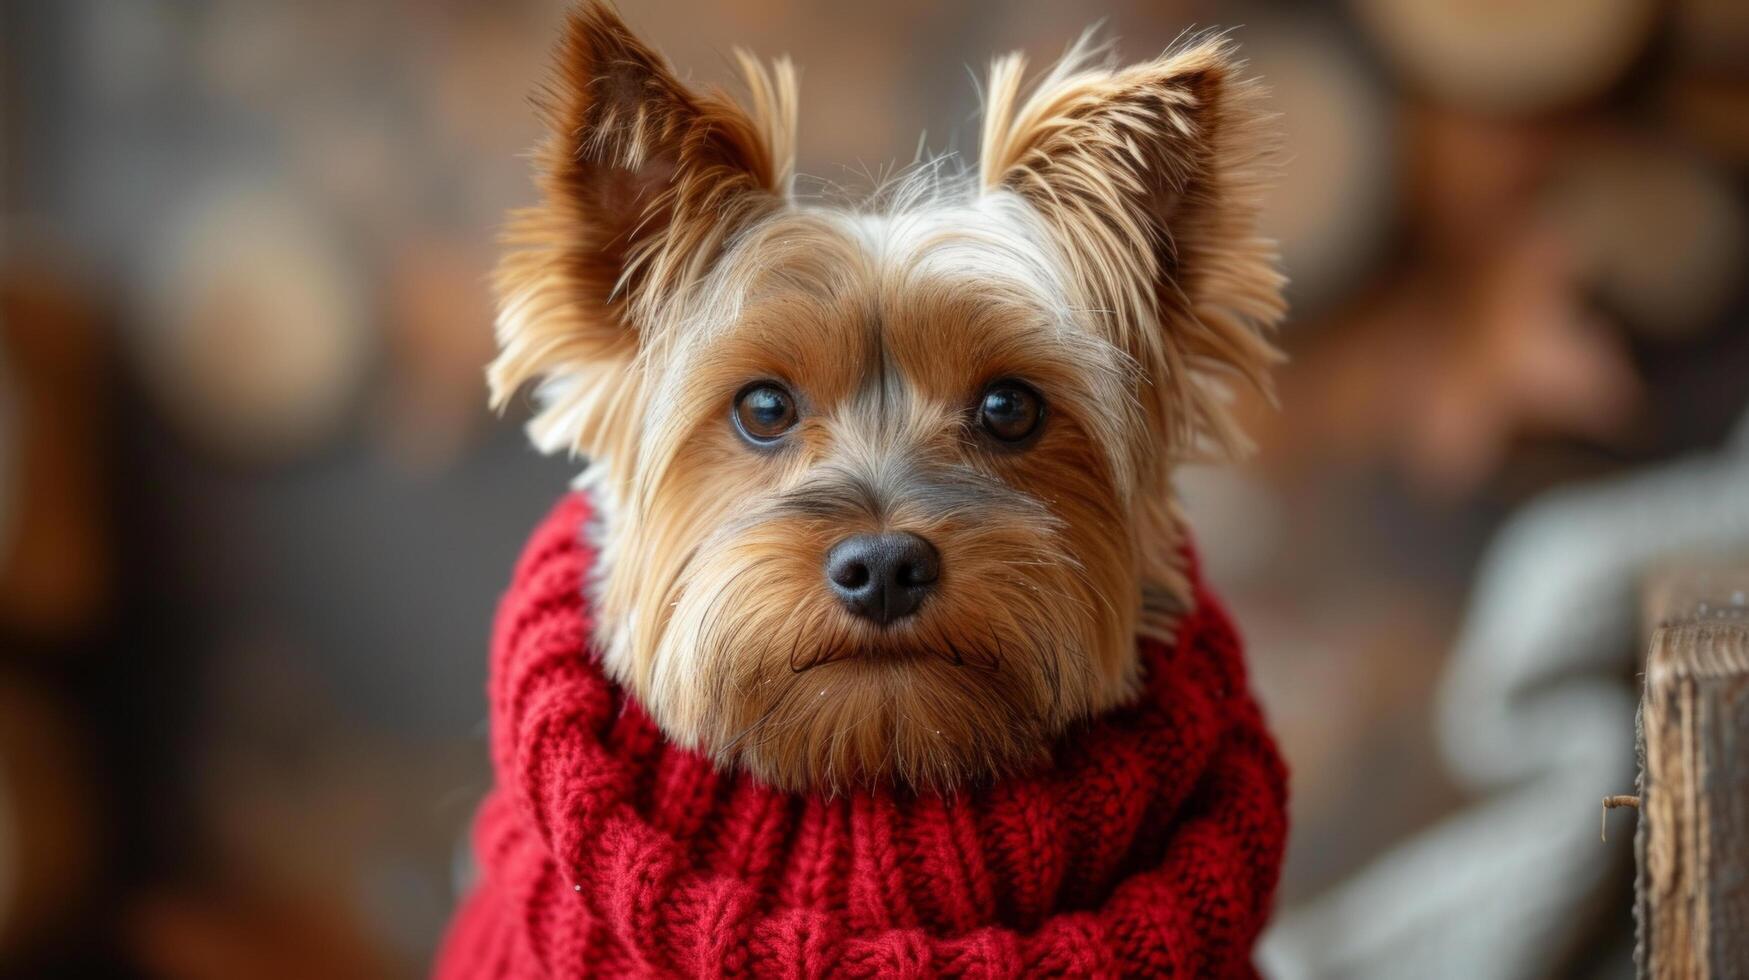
point(1105, 255)
point(761, 662)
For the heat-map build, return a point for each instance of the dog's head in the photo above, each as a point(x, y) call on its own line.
point(885, 490)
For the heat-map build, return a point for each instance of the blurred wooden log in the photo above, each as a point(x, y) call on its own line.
point(1712, 113)
point(1511, 57)
point(258, 336)
point(48, 835)
point(54, 548)
point(1692, 843)
point(1711, 35)
point(1661, 236)
point(1331, 210)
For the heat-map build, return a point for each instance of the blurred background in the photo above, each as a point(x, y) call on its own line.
point(254, 515)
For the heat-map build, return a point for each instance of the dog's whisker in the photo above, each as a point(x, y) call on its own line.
point(729, 748)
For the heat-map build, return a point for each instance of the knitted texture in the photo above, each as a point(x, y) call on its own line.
point(1149, 846)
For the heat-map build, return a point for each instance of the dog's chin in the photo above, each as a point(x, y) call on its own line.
point(899, 714)
point(761, 669)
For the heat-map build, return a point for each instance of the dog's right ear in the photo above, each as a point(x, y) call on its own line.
point(643, 182)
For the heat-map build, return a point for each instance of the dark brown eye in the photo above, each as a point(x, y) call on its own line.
point(764, 411)
point(1010, 411)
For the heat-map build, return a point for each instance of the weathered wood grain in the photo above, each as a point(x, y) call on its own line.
point(1693, 837)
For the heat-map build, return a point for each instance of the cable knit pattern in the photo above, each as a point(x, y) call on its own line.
point(1150, 846)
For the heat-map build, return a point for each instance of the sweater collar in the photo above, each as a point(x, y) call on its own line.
point(1151, 839)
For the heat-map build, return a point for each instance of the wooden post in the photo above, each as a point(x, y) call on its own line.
point(1692, 842)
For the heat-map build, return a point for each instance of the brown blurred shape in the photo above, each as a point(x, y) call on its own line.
point(48, 832)
point(54, 566)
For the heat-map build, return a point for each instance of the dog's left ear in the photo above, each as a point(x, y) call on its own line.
point(644, 180)
point(1150, 179)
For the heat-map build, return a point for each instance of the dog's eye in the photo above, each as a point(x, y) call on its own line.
point(1010, 411)
point(764, 411)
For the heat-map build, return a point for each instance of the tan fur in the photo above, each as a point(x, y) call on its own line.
point(1106, 254)
point(1153, 175)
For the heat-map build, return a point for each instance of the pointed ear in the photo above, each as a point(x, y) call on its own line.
point(643, 182)
point(1150, 178)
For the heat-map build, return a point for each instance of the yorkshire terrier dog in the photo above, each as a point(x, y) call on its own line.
point(872, 643)
point(882, 492)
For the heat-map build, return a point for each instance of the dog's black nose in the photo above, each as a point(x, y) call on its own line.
point(883, 577)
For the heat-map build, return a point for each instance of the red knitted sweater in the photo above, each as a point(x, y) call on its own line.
point(1150, 846)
